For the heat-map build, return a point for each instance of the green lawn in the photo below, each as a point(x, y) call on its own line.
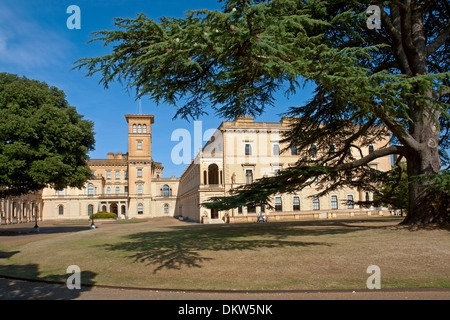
point(302, 255)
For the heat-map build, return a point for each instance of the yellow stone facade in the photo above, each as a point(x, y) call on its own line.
point(132, 185)
point(242, 151)
point(128, 184)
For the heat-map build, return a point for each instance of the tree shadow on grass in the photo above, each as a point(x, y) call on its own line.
point(24, 282)
point(188, 246)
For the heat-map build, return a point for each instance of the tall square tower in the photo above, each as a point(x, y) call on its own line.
point(139, 155)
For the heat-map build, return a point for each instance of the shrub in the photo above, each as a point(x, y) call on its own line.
point(105, 215)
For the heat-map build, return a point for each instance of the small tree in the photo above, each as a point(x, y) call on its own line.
point(44, 141)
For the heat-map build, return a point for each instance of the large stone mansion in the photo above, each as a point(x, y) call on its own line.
point(132, 184)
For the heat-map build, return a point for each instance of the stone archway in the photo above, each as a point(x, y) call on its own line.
point(114, 208)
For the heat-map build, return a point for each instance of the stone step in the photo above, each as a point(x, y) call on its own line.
point(216, 221)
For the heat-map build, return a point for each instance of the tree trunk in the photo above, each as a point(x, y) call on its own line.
point(427, 206)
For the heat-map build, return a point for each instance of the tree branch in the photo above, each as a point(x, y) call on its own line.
point(372, 156)
point(402, 135)
point(439, 41)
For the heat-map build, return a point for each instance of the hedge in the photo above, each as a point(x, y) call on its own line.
point(105, 215)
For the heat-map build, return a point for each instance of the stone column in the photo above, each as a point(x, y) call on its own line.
point(126, 209)
point(19, 213)
point(119, 211)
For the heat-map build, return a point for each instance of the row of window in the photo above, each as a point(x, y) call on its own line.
point(137, 128)
point(140, 209)
point(296, 204)
point(117, 189)
point(294, 150)
point(117, 175)
point(166, 191)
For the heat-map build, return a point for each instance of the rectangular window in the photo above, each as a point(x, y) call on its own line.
point(240, 210)
point(140, 188)
point(316, 203)
point(276, 149)
point(139, 145)
point(248, 176)
point(331, 148)
point(126, 189)
point(276, 170)
point(334, 202)
point(296, 203)
point(117, 175)
point(139, 173)
point(108, 190)
point(248, 149)
point(108, 174)
point(140, 208)
point(251, 209)
point(313, 150)
point(278, 204)
point(294, 151)
point(350, 201)
point(117, 189)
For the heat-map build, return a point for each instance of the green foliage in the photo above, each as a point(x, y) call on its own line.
point(370, 84)
point(44, 141)
point(394, 190)
point(105, 215)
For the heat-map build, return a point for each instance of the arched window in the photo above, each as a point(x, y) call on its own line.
point(90, 209)
point(90, 189)
point(166, 208)
point(139, 128)
point(60, 209)
point(166, 190)
point(213, 174)
point(144, 128)
point(134, 128)
point(140, 208)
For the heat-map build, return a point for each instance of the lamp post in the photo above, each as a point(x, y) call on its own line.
point(36, 227)
point(92, 221)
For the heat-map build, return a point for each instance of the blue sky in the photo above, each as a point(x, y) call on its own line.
point(35, 42)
